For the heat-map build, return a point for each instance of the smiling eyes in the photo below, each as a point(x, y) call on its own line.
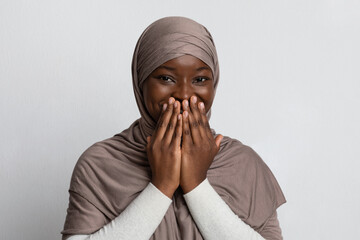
point(168, 79)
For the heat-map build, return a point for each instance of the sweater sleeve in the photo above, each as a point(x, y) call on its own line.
point(214, 217)
point(139, 220)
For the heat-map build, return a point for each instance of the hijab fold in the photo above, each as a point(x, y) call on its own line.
point(111, 173)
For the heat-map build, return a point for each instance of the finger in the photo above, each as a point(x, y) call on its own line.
point(161, 117)
point(148, 143)
point(168, 136)
point(218, 139)
point(178, 131)
point(164, 120)
point(186, 134)
point(205, 121)
point(185, 105)
point(194, 121)
point(198, 109)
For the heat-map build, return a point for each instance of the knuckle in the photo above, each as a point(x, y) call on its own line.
point(169, 108)
point(160, 123)
point(170, 126)
point(156, 144)
point(173, 148)
point(187, 132)
point(173, 154)
point(162, 148)
point(164, 124)
point(194, 124)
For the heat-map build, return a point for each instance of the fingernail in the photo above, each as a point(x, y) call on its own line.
point(171, 100)
point(175, 104)
point(185, 114)
point(202, 106)
point(193, 99)
point(186, 103)
point(179, 116)
point(164, 106)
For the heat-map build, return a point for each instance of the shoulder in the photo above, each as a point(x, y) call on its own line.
point(95, 161)
point(246, 166)
point(109, 159)
point(233, 143)
point(238, 162)
point(240, 153)
point(97, 151)
point(245, 160)
point(254, 192)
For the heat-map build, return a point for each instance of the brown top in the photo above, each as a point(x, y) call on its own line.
point(111, 173)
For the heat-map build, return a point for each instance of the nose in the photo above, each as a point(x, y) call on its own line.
point(183, 91)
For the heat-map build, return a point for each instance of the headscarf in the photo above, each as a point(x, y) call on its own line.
point(163, 40)
point(112, 173)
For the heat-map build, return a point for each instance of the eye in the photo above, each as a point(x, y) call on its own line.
point(201, 79)
point(165, 78)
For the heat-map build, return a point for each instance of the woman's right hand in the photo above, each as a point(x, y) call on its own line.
point(164, 151)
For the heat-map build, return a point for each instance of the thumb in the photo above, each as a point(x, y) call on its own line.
point(218, 139)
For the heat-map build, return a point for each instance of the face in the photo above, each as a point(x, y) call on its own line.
point(179, 78)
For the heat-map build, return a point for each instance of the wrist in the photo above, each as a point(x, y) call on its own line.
point(164, 188)
point(189, 186)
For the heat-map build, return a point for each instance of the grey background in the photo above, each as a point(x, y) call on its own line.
point(289, 87)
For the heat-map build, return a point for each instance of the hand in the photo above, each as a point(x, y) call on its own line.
point(198, 147)
point(163, 149)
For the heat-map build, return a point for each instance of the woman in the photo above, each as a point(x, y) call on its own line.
point(169, 175)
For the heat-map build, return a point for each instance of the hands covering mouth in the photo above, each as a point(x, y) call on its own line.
point(182, 147)
point(181, 108)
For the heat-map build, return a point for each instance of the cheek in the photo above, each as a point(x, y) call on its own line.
point(154, 96)
point(208, 98)
point(150, 103)
point(148, 95)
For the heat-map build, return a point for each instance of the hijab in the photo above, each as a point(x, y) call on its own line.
point(163, 40)
point(110, 174)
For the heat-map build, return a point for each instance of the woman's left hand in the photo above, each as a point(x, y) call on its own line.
point(199, 147)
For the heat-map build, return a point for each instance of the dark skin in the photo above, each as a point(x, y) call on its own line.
point(178, 94)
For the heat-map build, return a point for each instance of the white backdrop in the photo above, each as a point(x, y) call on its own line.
point(289, 87)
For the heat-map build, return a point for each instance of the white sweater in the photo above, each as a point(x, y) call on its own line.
point(211, 214)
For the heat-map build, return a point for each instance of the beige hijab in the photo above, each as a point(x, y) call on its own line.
point(166, 39)
point(111, 173)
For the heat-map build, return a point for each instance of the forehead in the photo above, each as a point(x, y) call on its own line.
point(185, 62)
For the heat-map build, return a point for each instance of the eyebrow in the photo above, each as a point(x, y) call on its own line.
point(167, 68)
point(203, 68)
point(172, 69)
